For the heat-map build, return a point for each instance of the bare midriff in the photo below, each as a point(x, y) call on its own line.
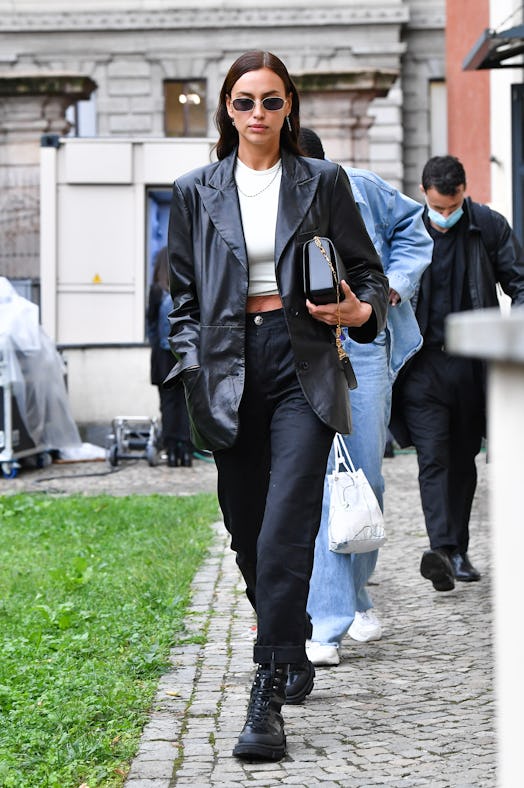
point(263, 303)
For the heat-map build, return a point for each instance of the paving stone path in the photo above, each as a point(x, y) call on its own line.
point(413, 709)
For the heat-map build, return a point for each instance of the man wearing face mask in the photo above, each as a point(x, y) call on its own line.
point(439, 400)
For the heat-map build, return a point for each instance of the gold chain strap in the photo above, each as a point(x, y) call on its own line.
point(341, 352)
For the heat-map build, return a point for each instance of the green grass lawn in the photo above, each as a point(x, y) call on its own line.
point(93, 593)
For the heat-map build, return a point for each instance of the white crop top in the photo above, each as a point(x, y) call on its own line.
point(258, 192)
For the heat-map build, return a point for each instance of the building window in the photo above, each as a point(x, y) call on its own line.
point(82, 117)
point(185, 112)
point(438, 117)
point(158, 204)
point(517, 125)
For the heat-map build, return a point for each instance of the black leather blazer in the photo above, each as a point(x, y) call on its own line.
point(209, 285)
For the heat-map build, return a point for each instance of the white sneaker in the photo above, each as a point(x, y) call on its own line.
point(322, 653)
point(365, 626)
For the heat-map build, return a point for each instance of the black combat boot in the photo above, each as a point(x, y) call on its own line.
point(300, 680)
point(263, 736)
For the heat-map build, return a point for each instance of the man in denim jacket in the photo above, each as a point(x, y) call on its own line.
point(338, 598)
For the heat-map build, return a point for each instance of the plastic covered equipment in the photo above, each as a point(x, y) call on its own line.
point(35, 415)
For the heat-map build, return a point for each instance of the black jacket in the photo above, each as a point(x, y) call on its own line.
point(209, 285)
point(489, 252)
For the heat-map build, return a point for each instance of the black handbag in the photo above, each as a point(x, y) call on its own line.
point(322, 270)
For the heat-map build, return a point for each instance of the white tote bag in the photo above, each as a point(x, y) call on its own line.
point(356, 522)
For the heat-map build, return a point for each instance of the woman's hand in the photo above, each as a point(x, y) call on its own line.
point(353, 312)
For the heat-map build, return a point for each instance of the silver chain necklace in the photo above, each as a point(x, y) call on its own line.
point(265, 187)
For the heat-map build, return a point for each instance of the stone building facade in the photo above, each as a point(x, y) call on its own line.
point(365, 71)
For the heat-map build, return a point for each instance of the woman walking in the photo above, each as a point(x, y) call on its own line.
point(265, 387)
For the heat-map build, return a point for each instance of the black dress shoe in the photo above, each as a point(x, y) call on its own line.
point(299, 682)
point(463, 569)
point(172, 458)
point(186, 459)
point(184, 455)
point(436, 566)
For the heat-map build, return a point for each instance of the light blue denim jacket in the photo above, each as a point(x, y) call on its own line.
point(394, 224)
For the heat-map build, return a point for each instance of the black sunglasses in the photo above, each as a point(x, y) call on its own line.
point(271, 103)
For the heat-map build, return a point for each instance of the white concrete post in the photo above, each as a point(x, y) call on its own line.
point(500, 340)
point(48, 240)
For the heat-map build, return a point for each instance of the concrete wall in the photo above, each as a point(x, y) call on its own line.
point(93, 265)
point(93, 242)
point(499, 340)
point(108, 381)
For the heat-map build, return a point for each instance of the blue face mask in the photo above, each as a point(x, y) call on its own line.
point(445, 222)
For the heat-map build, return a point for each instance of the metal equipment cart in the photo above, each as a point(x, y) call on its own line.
point(133, 438)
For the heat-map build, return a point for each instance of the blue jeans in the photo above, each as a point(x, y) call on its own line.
point(338, 583)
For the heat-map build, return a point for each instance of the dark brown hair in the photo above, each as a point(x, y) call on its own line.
point(443, 173)
point(253, 61)
point(311, 144)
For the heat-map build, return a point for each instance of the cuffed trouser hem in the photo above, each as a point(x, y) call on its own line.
point(279, 654)
point(448, 547)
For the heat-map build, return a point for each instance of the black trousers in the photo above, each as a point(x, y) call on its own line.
point(443, 400)
point(270, 486)
point(173, 408)
point(175, 419)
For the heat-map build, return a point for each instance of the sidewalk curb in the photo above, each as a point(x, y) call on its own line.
point(161, 747)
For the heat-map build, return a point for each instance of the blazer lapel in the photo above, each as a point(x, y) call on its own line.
point(297, 191)
point(220, 201)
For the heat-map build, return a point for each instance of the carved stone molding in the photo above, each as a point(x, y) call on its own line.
point(427, 14)
point(77, 86)
point(194, 18)
point(378, 81)
point(336, 105)
point(34, 104)
point(422, 20)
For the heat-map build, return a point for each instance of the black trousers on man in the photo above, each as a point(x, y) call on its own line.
point(270, 487)
point(442, 398)
point(175, 419)
point(173, 408)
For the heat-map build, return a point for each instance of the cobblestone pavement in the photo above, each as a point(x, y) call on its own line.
point(129, 477)
point(413, 709)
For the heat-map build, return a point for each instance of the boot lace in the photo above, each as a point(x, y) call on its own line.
point(267, 696)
